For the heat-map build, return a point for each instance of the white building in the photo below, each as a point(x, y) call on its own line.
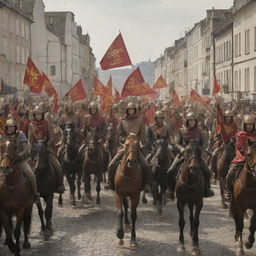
point(244, 38)
point(14, 43)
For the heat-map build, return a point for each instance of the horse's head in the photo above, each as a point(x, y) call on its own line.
point(161, 144)
point(39, 154)
point(230, 147)
point(110, 134)
point(192, 155)
point(251, 155)
point(69, 134)
point(9, 155)
point(132, 147)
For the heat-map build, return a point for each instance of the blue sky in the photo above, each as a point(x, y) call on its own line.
point(148, 26)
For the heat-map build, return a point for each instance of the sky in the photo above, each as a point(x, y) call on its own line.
point(147, 26)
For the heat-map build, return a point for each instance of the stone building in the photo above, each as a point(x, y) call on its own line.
point(15, 47)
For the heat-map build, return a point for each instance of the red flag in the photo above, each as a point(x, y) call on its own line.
point(160, 83)
point(116, 55)
point(77, 92)
point(175, 98)
point(135, 85)
point(33, 77)
point(55, 106)
point(194, 96)
point(150, 115)
point(108, 97)
point(117, 96)
point(48, 87)
point(99, 88)
point(216, 87)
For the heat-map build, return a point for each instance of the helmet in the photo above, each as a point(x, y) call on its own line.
point(228, 113)
point(94, 105)
point(10, 122)
point(248, 119)
point(39, 109)
point(165, 108)
point(114, 106)
point(131, 105)
point(191, 116)
point(159, 114)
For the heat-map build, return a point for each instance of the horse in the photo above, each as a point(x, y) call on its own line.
point(223, 163)
point(95, 161)
point(16, 198)
point(111, 143)
point(71, 163)
point(128, 183)
point(160, 164)
point(244, 197)
point(46, 185)
point(190, 191)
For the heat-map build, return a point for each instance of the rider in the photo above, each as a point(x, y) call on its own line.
point(225, 132)
point(185, 135)
point(131, 123)
point(40, 129)
point(249, 132)
point(159, 128)
point(12, 133)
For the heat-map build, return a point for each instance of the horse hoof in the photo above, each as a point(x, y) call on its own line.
point(144, 200)
point(26, 245)
point(248, 245)
point(79, 197)
point(181, 248)
point(133, 244)
point(225, 206)
point(60, 205)
point(196, 252)
point(160, 212)
point(121, 242)
point(239, 252)
point(51, 232)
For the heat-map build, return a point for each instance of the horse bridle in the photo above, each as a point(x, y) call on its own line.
point(9, 168)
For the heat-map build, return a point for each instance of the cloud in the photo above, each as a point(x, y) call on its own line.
point(148, 26)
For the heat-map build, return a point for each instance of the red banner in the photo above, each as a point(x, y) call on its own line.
point(160, 83)
point(55, 107)
point(117, 96)
point(48, 87)
point(194, 96)
point(150, 115)
point(33, 77)
point(107, 99)
point(77, 92)
point(116, 55)
point(99, 88)
point(175, 98)
point(135, 85)
point(216, 87)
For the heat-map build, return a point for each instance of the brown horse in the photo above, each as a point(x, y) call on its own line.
point(16, 198)
point(189, 191)
point(128, 183)
point(223, 163)
point(244, 197)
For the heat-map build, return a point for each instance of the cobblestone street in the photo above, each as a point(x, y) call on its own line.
point(90, 230)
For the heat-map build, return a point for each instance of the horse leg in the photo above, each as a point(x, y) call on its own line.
point(154, 193)
point(78, 182)
point(87, 189)
point(98, 189)
point(126, 219)
point(252, 229)
point(120, 229)
point(27, 224)
point(71, 183)
point(239, 221)
point(222, 185)
point(48, 217)
point(134, 204)
point(180, 207)
point(17, 230)
point(191, 219)
point(196, 222)
point(8, 232)
point(60, 200)
point(160, 200)
point(41, 216)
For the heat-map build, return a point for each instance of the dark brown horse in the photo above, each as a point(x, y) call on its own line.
point(223, 163)
point(16, 198)
point(111, 141)
point(95, 161)
point(189, 191)
point(244, 197)
point(128, 184)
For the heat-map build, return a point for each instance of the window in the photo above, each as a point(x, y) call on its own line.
point(255, 78)
point(247, 41)
point(236, 81)
point(236, 45)
point(53, 70)
point(247, 79)
point(254, 38)
point(239, 44)
point(239, 80)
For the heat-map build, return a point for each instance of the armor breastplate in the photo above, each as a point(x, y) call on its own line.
point(132, 126)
